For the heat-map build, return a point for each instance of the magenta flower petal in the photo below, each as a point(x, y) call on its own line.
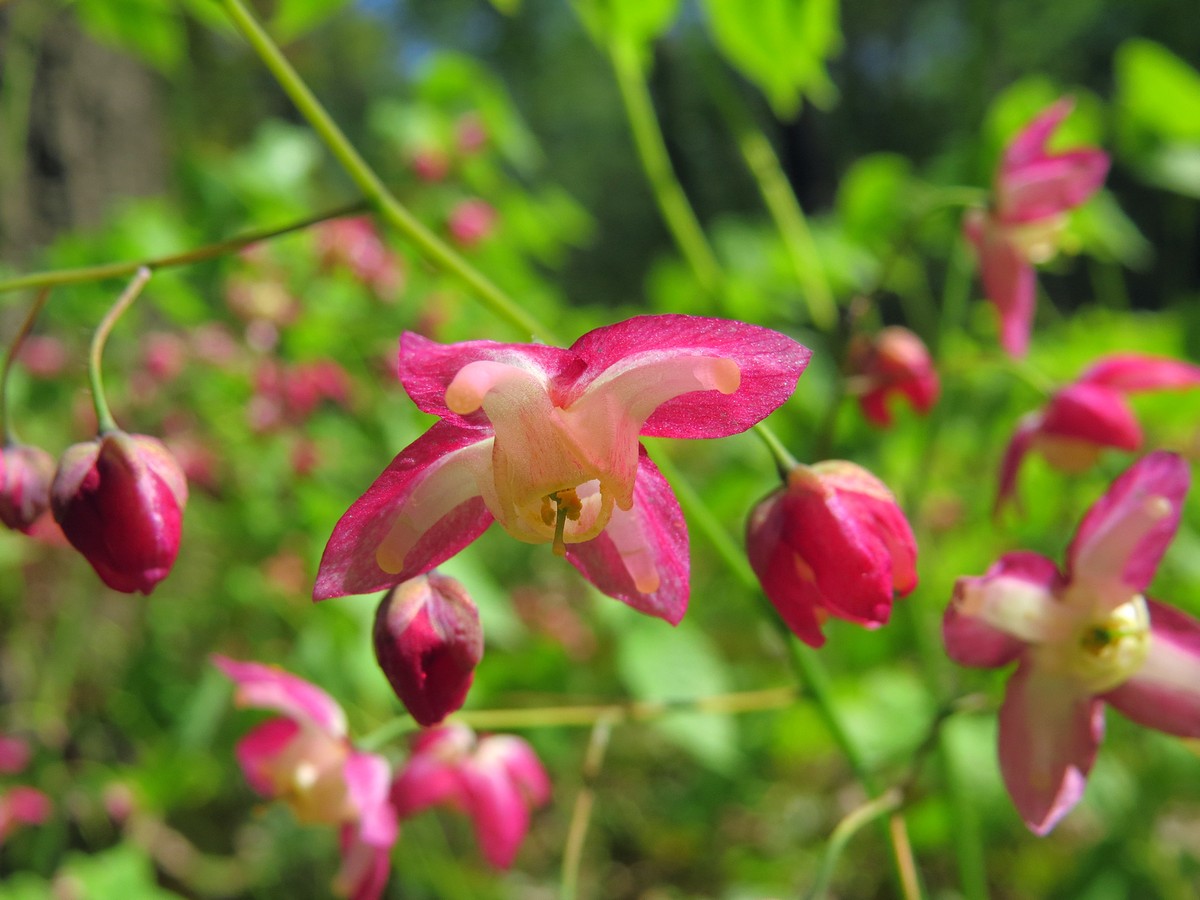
point(498, 812)
point(365, 867)
point(1136, 372)
point(269, 687)
point(25, 476)
point(258, 752)
point(432, 777)
point(1029, 145)
point(424, 507)
point(1125, 533)
point(1009, 281)
point(1051, 186)
point(427, 368)
point(1094, 414)
point(368, 781)
point(641, 558)
point(769, 364)
point(1050, 730)
point(992, 616)
point(1014, 454)
point(1165, 692)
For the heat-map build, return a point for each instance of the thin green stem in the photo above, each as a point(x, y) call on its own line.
point(585, 801)
point(784, 461)
point(394, 213)
point(849, 826)
point(781, 201)
point(651, 147)
point(587, 715)
point(200, 254)
point(14, 348)
point(104, 419)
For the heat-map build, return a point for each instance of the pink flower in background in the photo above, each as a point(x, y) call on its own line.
point(305, 758)
point(428, 641)
point(119, 500)
point(19, 806)
point(832, 541)
point(545, 441)
point(1083, 638)
point(1034, 190)
point(496, 780)
point(287, 394)
point(894, 361)
point(470, 134)
point(14, 755)
point(26, 473)
point(1091, 414)
point(356, 245)
point(471, 221)
point(430, 164)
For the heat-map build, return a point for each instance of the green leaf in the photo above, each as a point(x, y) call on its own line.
point(657, 663)
point(151, 30)
point(123, 871)
point(780, 45)
point(638, 22)
point(1157, 92)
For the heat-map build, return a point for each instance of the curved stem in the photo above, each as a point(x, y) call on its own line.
point(585, 800)
point(199, 254)
point(676, 211)
point(781, 202)
point(849, 826)
point(396, 214)
point(14, 348)
point(784, 461)
point(104, 419)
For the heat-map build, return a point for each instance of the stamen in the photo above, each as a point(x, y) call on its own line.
point(568, 506)
point(560, 522)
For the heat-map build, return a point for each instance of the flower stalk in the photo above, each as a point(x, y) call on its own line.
point(104, 419)
point(14, 348)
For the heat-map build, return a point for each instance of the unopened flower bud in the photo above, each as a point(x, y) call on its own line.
point(25, 476)
point(894, 361)
point(832, 541)
point(471, 221)
point(428, 641)
point(119, 500)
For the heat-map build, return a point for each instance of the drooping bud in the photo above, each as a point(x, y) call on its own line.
point(894, 361)
point(832, 541)
point(428, 641)
point(119, 500)
point(25, 476)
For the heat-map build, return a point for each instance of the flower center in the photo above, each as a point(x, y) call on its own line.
point(566, 505)
point(1104, 653)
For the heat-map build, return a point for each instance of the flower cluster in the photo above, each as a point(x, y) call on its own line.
point(305, 758)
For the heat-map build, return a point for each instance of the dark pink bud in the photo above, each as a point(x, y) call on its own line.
point(25, 476)
point(832, 541)
point(428, 641)
point(119, 500)
point(471, 221)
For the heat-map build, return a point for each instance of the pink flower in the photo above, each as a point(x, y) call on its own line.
point(1034, 190)
point(496, 780)
point(545, 441)
point(14, 755)
point(428, 641)
point(894, 361)
point(19, 806)
point(356, 245)
point(471, 221)
point(1091, 414)
point(119, 500)
point(832, 541)
point(304, 758)
point(25, 476)
point(1083, 638)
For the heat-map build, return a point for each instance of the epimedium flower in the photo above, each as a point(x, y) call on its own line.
point(428, 641)
point(831, 541)
point(1083, 638)
point(119, 500)
point(497, 780)
point(544, 440)
point(892, 362)
point(1091, 414)
point(305, 758)
point(1033, 191)
point(25, 475)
